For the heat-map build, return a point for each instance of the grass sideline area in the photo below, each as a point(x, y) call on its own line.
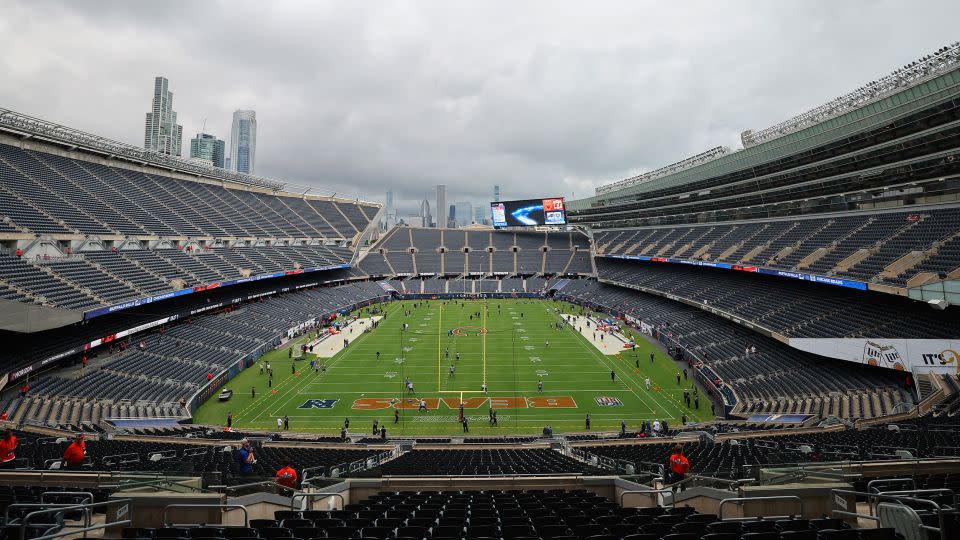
point(510, 344)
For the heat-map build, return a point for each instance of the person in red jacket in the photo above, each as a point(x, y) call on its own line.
point(75, 453)
point(679, 466)
point(287, 475)
point(7, 446)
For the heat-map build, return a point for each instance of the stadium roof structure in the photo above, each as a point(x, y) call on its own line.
point(29, 127)
point(917, 83)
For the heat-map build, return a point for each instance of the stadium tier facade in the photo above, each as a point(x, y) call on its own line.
point(784, 312)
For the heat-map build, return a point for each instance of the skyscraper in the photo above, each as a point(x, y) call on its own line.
point(480, 214)
point(208, 148)
point(243, 142)
point(162, 133)
point(441, 205)
point(389, 217)
point(464, 213)
point(425, 213)
point(496, 193)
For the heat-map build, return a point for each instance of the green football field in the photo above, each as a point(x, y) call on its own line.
point(504, 346)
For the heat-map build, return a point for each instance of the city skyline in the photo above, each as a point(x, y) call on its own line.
point(470, 99)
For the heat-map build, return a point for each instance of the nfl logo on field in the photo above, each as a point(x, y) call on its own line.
point(607, 401)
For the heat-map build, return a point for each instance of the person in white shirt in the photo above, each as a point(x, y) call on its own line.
point(656, 426)
point(647, 382)
point(279, 424)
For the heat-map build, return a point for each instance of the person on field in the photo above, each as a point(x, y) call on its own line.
point(679, 467)
point(286, 476)
point(76, 452)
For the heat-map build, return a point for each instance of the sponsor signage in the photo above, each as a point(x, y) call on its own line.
point(779, 418)
point(608, 401)
point(914, 355)
point(200, 288)
point(386, 286)
point(848, 283)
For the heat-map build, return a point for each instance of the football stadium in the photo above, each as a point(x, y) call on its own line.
point(752, 343)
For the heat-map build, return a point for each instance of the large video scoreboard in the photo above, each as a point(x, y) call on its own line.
point(528, 213)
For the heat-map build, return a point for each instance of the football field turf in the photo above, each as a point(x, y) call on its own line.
point(510, 344)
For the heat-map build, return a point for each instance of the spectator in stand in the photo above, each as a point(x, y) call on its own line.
point(679, 467)
point(4, 416)
point(7, 446)
point(287, 475)
point(76, 452)
point(245, 457)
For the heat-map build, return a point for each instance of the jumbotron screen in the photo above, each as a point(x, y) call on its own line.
point(528, 213)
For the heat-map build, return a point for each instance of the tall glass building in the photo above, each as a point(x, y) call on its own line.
point(464, 213)
point(162, 133)
point(243, 141)
point(208, 148)
point(441, 205)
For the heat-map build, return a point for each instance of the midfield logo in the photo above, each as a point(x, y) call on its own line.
point(318, 404)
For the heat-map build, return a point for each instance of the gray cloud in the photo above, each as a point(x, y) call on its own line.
point(540, 97)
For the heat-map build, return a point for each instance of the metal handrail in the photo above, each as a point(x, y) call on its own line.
point(308, 496)
point(270, 483)
point(6, 512)
point(871, 497)
point(896, 481)
point(87, 510)
point(120, 459)
point(647, 492)
point(931, 491)
point(163, 516)
point(724, 502)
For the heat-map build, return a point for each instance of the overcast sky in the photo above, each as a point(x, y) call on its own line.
point(543, 98)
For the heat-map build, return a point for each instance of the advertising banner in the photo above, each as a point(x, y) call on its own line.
point(914, 355)
point(848, 283)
